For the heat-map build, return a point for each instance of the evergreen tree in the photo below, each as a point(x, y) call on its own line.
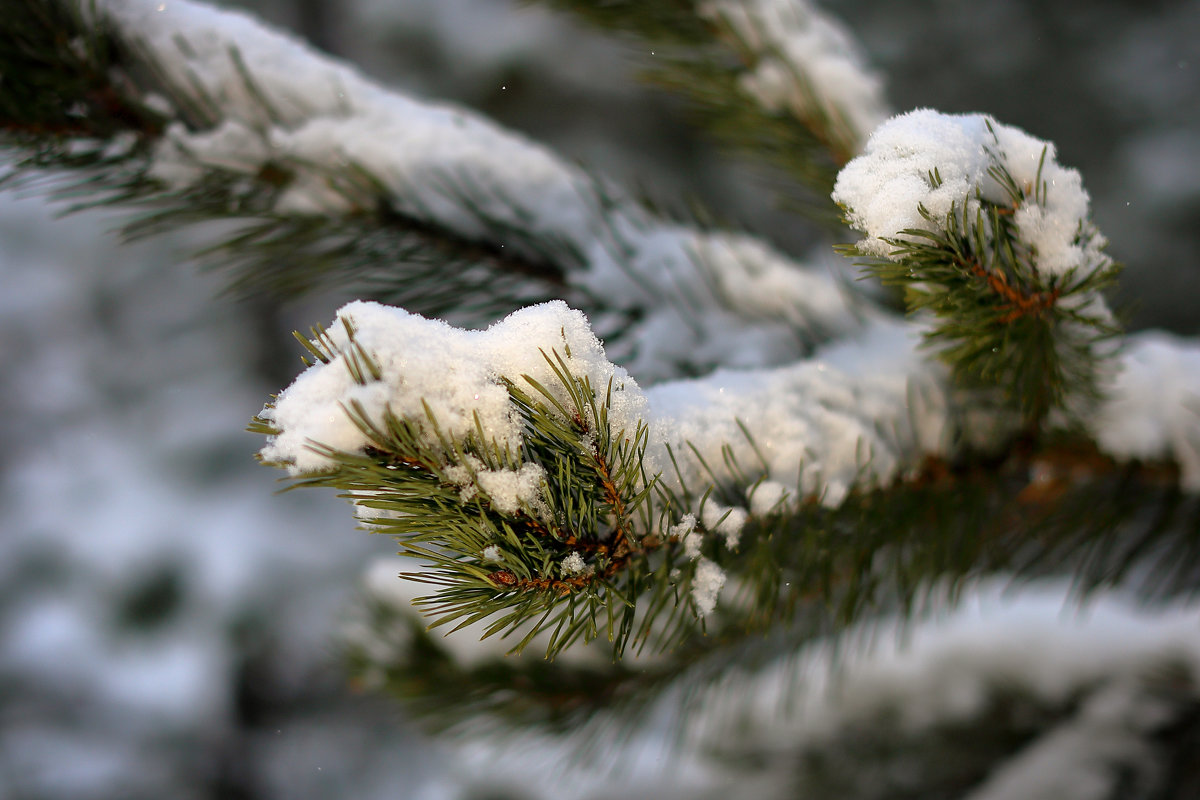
point(685, 469)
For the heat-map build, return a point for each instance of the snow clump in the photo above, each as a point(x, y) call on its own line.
point(456, 374)
point(706, 586)
point(942, 162)
point(1152, 408)
point(573, 564)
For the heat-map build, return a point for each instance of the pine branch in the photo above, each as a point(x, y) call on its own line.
point(815, 574)
point(960, 714)
point(760, 76)
point(545, 504)
point(198, 118)
point(63, 91)
point(719, 525)
point(94, 113)
point(802, 62)
point(530, 523)
point(389, 648)
point(991, 237)
point(532, 494)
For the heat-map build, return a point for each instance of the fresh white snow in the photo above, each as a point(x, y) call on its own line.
point(456, 374)
point(707, 298)
point(884, 189)
point(846, 417)
point(1151, 409)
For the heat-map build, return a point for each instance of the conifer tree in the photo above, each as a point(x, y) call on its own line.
point(652, 475)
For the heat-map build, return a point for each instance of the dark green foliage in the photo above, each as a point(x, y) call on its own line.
point(377, 251)
point(151, 602)
point(816, 573)
point(57, 82)
point(67, 103)
point(703, 61)
point(513, 691)
point(673, 22)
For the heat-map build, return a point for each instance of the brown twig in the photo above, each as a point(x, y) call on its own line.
point(1020, 302)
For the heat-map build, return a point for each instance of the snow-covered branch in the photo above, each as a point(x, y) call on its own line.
point(250, 103)
point(924, 166)
point(589, 481)
point(1092, 718)
point(851, 415)
point(989, 234)
point(804, 62)
point(518, 419)
point(723, 470)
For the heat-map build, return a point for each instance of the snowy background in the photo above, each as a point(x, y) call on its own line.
point(168, 624)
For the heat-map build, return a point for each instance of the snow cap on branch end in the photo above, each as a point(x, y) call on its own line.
point(458, 375)
point(941, 162)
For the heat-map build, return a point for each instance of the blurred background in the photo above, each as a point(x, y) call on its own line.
point(169, 625)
